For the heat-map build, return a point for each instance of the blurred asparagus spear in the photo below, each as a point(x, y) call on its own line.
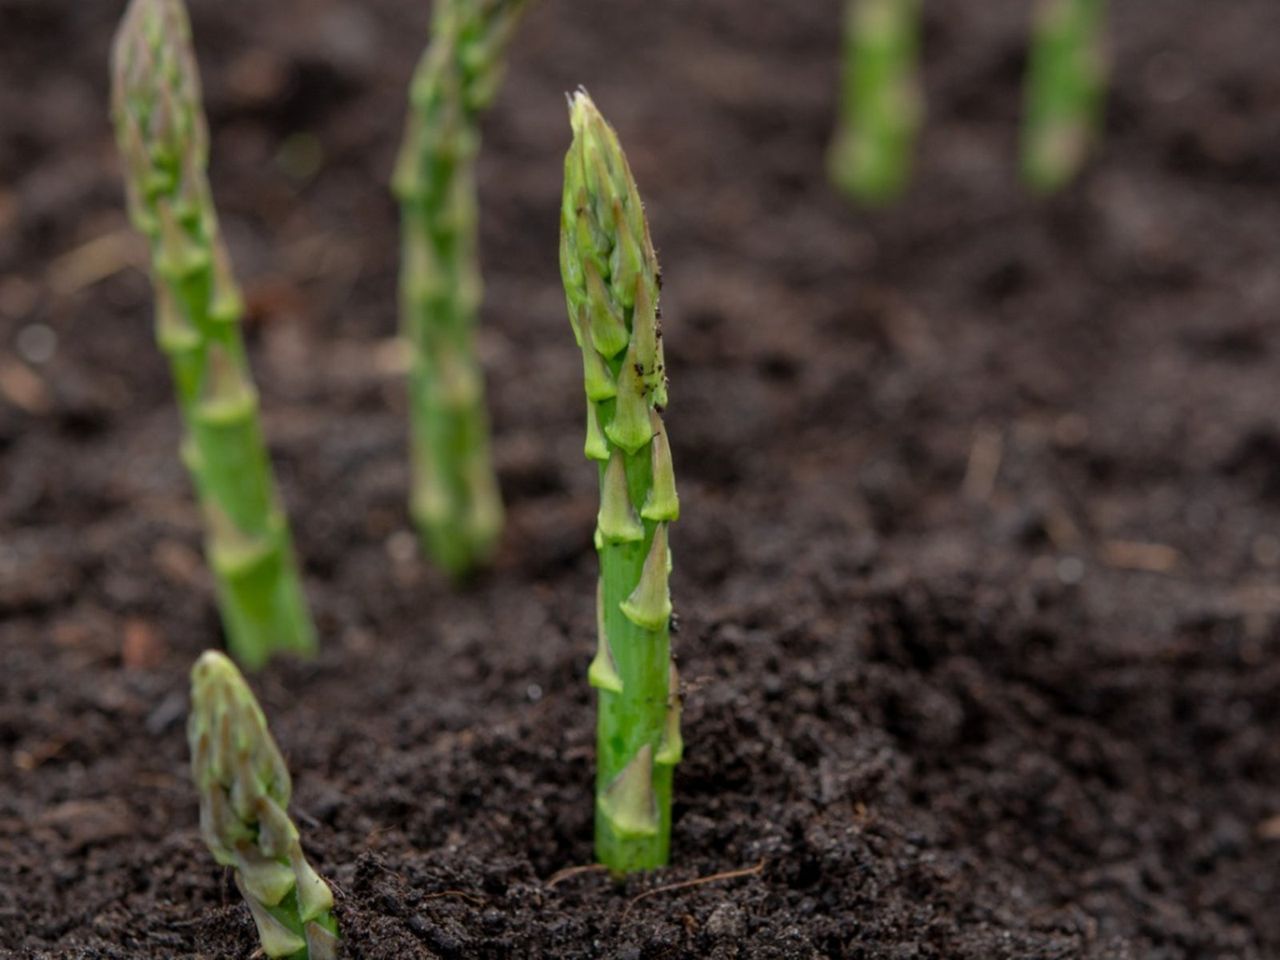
point(881, 105)
point(455, 499)
point(611, 283)
point(244, 797)
point(164, 143)
point(1066, 89)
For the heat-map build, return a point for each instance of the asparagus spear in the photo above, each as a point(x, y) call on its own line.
point(455, 499)
point(1066, 87)
point(244, 794)
point(881, 103)
point(611, 284)
point(164, 143)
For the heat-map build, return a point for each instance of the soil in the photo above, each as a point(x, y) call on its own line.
point(978, 573)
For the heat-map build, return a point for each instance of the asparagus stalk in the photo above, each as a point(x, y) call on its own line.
point(164, 143)
point(244, 795)
point(1066, 87)
point(881, 104)
point(455, 499)
point(611, 283)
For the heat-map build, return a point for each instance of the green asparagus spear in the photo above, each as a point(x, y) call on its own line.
point(164, 144)
point(881, 104)
point(455, 499)
point(1066, 87)
point(244, 795)
point(611, 283)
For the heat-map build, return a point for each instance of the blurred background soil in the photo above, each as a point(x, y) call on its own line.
point(978, 573)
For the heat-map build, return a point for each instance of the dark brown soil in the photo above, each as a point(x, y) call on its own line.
point(979, 570)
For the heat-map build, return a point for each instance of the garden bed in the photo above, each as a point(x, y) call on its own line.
point(978, 571)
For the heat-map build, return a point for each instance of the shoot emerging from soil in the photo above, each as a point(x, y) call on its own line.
point(611, 284)
point(454, 500)
point(164, 144)
point(881, 104)
point(1066, 89)
point(244, 796)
